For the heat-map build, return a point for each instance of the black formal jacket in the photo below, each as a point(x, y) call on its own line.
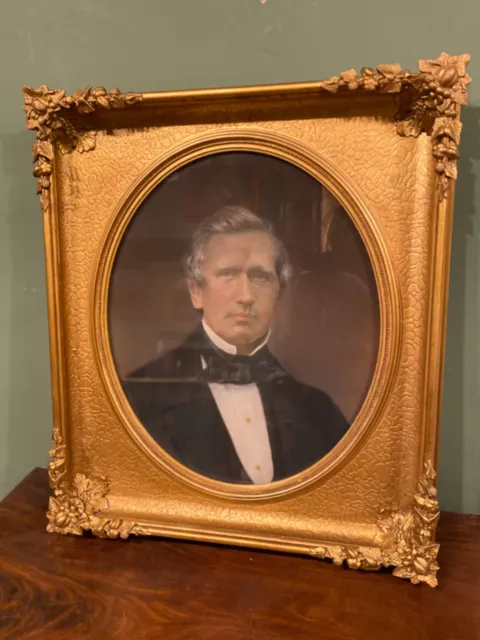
point(172, 399)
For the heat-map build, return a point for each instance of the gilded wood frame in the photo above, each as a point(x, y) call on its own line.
point(385, 142)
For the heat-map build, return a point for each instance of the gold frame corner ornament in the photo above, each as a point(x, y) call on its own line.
point(429, 102)
point(79, 506)
point(406, 539)
point(46, 110)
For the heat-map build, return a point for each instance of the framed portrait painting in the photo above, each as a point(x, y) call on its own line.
point(247, 292)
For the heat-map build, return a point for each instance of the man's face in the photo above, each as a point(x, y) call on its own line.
point(240, 287)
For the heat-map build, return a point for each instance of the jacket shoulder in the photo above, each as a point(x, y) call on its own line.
point(184, 361)
point(305, 391)
point(316, 403)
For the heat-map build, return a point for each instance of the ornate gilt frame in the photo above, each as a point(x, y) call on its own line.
point(385, 142)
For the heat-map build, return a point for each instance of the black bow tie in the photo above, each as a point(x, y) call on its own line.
point(229, 369)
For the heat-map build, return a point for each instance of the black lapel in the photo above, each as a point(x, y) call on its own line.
point(268, 394)
point(180, 413)
point(200, 438)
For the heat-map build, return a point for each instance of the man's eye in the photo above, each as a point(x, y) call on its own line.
point(260, 276)
point(226, 273)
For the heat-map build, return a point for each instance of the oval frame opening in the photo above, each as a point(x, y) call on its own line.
point(333, 179)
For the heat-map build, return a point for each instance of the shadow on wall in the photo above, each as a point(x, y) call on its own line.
point(26, 437)
point(461, 410)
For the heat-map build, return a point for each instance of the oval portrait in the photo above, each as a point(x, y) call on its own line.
point(244, 318)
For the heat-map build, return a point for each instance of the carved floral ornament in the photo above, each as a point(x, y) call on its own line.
point(428, 102)
point(405, 539)
point(46, 110)
point(77, 507)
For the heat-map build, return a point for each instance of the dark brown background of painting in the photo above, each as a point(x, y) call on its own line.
point(326, 329)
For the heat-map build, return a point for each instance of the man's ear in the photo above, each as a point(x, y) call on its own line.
point(196, 294)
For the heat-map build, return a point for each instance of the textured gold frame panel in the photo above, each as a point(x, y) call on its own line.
point(385, 142)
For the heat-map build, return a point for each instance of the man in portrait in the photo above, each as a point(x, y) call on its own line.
point(221, 403)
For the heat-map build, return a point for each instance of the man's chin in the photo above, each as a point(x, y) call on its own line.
point(243, 336)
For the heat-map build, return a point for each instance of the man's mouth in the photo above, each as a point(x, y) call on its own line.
point(242, 316)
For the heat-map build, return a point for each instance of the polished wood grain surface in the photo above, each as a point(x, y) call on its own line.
point(53, 587)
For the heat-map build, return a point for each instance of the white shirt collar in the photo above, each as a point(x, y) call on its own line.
point(226, 346)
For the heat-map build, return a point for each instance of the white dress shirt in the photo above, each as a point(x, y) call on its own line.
point(241, 408)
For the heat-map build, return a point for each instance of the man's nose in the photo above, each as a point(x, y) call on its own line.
point(244, 290)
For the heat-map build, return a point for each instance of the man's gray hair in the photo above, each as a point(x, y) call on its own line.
point(233, 219)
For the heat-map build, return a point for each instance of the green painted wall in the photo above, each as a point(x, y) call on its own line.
point(172, 44)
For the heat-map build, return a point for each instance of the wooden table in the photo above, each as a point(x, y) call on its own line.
point(54, 586)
